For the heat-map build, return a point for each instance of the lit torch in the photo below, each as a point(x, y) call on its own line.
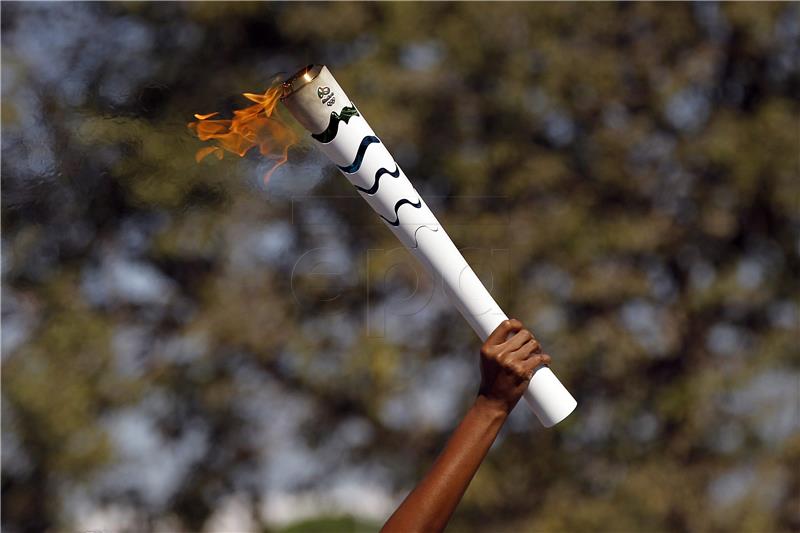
point(320, 105)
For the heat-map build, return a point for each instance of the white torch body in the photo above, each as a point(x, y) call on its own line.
point(317, 101)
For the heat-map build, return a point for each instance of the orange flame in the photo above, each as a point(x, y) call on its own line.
point(256, 125)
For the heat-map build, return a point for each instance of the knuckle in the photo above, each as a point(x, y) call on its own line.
point(521, 371)
point(542, 360)
point(530, 349)
point(528, 353)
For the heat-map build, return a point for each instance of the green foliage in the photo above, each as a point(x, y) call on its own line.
point(625, 174)
point(338, 524)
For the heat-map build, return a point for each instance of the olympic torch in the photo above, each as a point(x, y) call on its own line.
point(320, 105)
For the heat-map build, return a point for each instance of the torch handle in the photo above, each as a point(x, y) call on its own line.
point(550, 401)
point(366, 162)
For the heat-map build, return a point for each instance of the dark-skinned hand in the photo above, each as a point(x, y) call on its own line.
point(509, 357)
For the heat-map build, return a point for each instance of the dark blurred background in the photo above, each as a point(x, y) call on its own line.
point(185, 347)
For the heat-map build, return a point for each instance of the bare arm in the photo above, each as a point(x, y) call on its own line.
point(506, 369)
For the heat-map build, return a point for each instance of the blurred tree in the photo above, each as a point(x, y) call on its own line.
point(167, 347)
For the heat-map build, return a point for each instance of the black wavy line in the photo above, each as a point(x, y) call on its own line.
point(397, 206)
point(356, 164)
point(333, 124)
point(381, 171)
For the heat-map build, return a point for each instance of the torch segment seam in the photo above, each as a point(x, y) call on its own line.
point(432, 228)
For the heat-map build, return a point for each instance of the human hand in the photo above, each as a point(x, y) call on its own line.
point(507, 365)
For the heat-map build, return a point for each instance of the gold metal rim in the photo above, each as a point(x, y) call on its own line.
point(302, 78)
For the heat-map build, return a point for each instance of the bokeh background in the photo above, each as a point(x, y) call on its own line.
point(186, 347)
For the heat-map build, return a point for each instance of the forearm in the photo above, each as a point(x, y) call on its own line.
point(509, 357)
point(429, 506)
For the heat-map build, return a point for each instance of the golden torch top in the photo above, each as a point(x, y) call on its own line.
point(311, 95)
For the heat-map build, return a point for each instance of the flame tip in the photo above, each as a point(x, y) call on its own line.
point(250, 127)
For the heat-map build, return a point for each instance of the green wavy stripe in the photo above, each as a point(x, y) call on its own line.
point(333, 126)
